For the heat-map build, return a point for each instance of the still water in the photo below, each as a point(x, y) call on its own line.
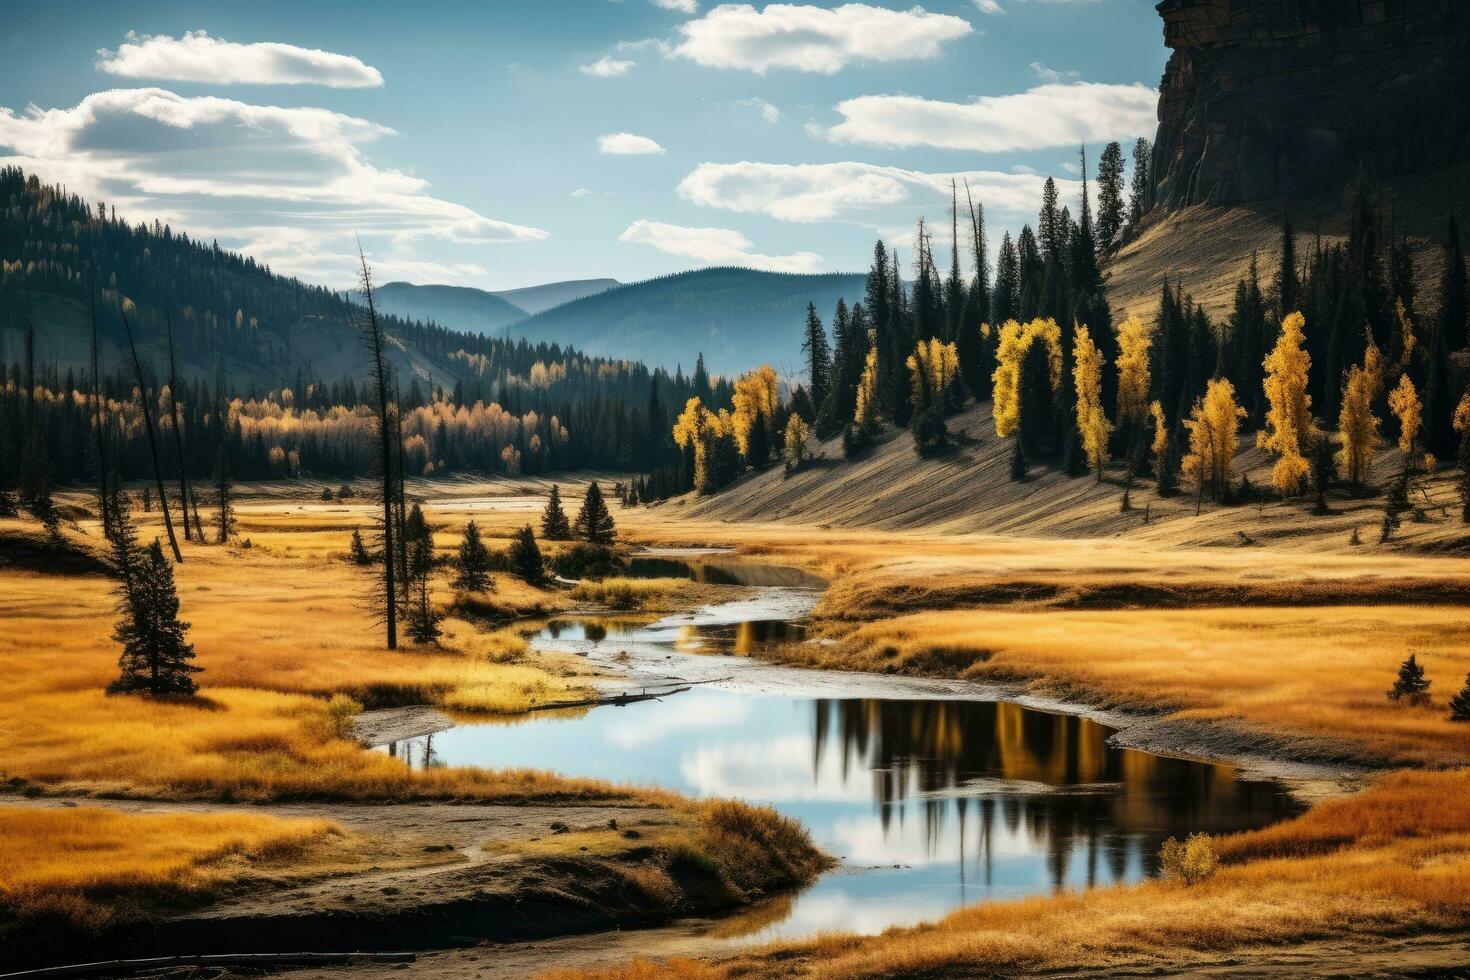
point(930, 804)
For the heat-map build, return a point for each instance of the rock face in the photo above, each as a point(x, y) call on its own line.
point(1263, 98)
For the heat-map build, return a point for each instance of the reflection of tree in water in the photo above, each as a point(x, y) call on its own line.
point(1092, 798)
point(744, 638)
point(417, 753)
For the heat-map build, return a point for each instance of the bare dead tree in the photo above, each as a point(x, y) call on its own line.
point(99, 413)
point(173, 410)
point(168, 524)
point(373, 335)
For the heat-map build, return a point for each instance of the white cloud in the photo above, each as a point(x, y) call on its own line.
point(1051, 75)
point(813, 39)
point(769, 113)
point(989, 7)
point(581, 192)
point(716, 246)
point(626, 144)
point(287, 185)
point(197, 57)
point(679, 6)
point(850, 191)
point(1048, 115)
point(607, 67)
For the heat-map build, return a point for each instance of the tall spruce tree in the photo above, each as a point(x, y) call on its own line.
point(1141, 192)
point(525, 557)
point(1454, 301)
point(473, 561)
point(554, 523)
point(1410, 685)
point(156, 657)
point(1110, 214)
point(224, 498)
point(594, 522)
point(818, 355)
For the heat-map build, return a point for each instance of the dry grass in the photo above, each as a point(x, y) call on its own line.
point(628, 593)
point(1381, 872)
point(88, 864)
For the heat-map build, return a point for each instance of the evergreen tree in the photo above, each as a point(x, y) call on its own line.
point(818, 354)
point(223, 495)
point(1410, 685)
point(1006, 301)
point(1018, 460)
point(357, 551)
point(1395, 506)
point(1109, 196)
point(594, 522)
point(554, 524)
point(1038, 400)
point(473, 561)
point(1141, 197)
point(1454, 301)
point(525, 556)
point(1051, 228)
point(1460, 703)
point(423, 620)
point(1286, 290)
point(1462, 426)
point(851, 344)
point(156, 656)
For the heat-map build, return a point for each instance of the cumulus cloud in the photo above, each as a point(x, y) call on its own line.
point(716, 246)
point(849, 191)
point(1048, 115)
point(607, 67)
point(769, 113)
point(812, 39)
point(679, 6)
point(197, 57)
point(288, 185)
point(626, 144)
point(989, 7)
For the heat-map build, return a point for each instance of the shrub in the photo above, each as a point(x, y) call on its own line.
point(1190, 862)
point(582, 560)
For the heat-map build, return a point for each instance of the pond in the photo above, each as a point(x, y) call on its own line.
point(930, 802)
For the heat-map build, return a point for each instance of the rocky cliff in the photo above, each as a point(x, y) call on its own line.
point(1264, 98)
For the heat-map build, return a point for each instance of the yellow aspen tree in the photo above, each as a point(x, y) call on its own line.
point(692, 428)
point(1134, 342)
point(797, 432)
point(932, 367)
point(754, 398)
point(1213, 429)
point(1161, 434)
point(1403, 401)
point(1092, 422)
point(866, 414)
point(1290, 432)
point(1015, 342)
point(1356, 423)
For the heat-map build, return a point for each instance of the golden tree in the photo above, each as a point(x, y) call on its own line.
point(1290, 431)
point(755, 399)
point(866, 414)
point(1403, 401)
point(1161, 433)
point(1092, 421)
point(797, 432)
point(1134, 341)
point(692, 429)
point(1015, 343)
point(1356, 423)
point(1213, 429)
point(932, 367)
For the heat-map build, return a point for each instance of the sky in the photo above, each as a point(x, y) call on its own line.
point(503, 143)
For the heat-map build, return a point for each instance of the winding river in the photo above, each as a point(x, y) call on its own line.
point(931, 799)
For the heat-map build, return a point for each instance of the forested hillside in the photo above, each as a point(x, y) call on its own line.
point(275, 369)
point(735, 317)
point(460, 308)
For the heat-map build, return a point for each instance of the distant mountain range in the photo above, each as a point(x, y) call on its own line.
point(737, 318)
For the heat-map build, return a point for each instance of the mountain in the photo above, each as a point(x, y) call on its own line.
point(535, 299)
point(456, 307)
point(737, 318)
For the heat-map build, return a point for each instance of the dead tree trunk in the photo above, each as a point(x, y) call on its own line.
point(99, 420)
point(373, 334)
point(173, 411)
point(168, 523)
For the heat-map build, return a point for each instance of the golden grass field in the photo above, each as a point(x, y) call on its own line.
point(1295, 638)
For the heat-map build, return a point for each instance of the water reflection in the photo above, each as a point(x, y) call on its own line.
point(745, 637)
point(715, 571)
point(939, 802)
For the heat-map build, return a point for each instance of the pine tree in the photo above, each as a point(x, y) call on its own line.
point(223, 495)
point(1109, 196)
point(1411, 685)
point(423, 620)
point(1462, 426)
point(554, 524)
point(818, 355)
point(473, 561)
point(1454, 301)
point(156, 656)
point(1460, 703)
point(525, 557)
point(594, 522)
point(1018, 460)
point(1286, 290)
point(1142, 188)
point(1395, 506)
point(357, 551)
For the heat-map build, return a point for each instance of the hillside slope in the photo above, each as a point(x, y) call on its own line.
point(536, 299)
point(737, 318)
point(455, 307)
point(969, 489)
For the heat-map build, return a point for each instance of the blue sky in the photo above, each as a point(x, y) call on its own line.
point(477, 142)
